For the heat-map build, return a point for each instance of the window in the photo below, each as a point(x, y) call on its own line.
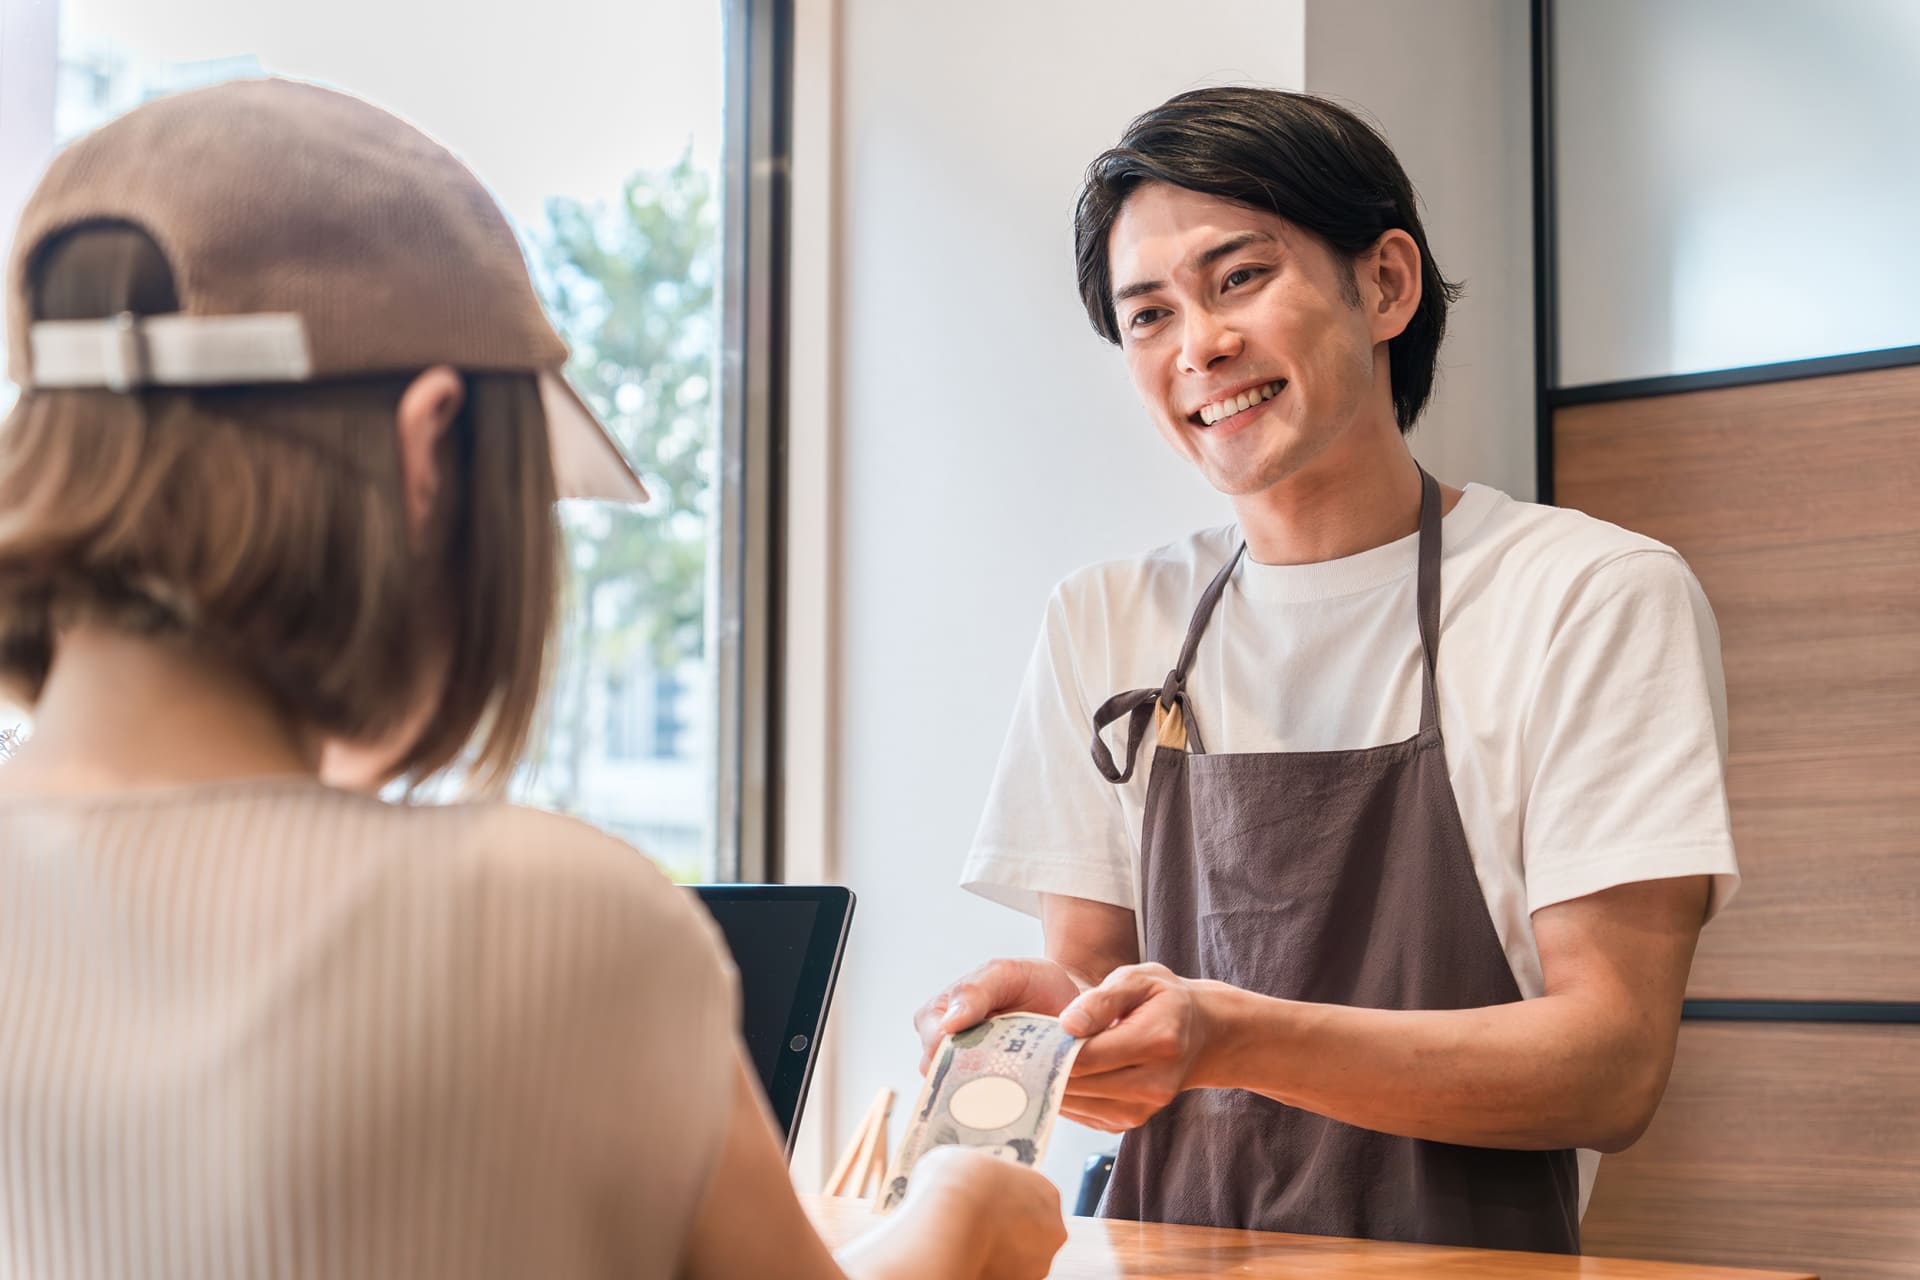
point(607, 134)
point(1733, 183)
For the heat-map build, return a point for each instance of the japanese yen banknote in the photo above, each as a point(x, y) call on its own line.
point(996, 1086)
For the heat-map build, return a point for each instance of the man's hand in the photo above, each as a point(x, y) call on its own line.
point(1147, 1030)
point(999, 986)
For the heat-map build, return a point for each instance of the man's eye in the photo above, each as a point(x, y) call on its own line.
point(1240, 276)
point(1144, 317)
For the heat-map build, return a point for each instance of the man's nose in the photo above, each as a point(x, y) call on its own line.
point(1206, 342)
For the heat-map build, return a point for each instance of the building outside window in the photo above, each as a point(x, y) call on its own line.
point(669, 728)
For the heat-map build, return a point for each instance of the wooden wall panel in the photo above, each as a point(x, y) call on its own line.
point(1779, 1144)
point(1798, 506)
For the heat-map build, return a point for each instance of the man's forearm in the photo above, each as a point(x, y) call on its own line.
point(1536, 1074)
point(1087, 939)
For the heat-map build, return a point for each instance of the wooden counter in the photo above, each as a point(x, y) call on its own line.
point(1099, 1249)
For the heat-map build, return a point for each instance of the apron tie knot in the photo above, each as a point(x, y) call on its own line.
point(1137, 706)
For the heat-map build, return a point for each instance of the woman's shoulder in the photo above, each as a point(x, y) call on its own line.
point(524, 859)
point(515, 840)
point(529, 892)
point(491, 868)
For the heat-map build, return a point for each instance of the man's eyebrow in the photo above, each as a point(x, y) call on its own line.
point(1233, 244)
point(1137, 288)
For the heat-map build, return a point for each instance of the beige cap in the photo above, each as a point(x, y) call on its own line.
point(311, 236)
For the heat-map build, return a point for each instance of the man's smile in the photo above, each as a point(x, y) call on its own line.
point(1238, 405)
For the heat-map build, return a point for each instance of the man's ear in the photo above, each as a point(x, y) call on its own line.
point(1391, 283)
point(427, 408)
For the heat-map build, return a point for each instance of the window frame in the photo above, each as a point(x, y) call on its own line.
point(750, 613)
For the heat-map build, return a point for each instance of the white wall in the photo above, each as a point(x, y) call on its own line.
point(1450, 85)
point(963, 440)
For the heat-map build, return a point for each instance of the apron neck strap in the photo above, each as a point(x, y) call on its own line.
point(1137, 706)
point(1202, 614)
point(1428, 594)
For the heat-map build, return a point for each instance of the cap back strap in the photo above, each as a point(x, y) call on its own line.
point(127, 352)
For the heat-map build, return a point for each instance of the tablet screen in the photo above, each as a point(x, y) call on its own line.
point(786, 942)
point(769, 944)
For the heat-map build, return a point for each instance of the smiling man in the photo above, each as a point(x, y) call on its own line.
point(1391, 925)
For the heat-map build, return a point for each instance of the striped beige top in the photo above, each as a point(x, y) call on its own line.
point(271, 1029)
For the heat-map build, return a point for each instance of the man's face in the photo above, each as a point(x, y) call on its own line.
point(1245, 336)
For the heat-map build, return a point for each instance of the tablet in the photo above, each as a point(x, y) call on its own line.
point(786, 941)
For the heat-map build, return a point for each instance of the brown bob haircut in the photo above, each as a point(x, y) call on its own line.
point(266, 527)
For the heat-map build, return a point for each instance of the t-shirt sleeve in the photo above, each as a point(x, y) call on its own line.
point(1625, 738)
point(1052, 823)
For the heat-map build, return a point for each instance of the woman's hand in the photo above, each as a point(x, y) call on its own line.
point(967, 1216)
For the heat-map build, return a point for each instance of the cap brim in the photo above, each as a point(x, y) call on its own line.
point(587, 463)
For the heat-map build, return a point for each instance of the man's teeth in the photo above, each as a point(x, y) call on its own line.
point(1219, 409)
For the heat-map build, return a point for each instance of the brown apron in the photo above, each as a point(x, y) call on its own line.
point(1339, 877)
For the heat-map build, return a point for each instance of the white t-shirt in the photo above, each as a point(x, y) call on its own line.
point(265, 1027)
point(1581, 701)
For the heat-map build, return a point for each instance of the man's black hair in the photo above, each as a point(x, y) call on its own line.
point(1303, 158)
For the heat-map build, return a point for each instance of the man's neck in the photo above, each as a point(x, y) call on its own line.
point(122, 712)
point(1345, 501)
